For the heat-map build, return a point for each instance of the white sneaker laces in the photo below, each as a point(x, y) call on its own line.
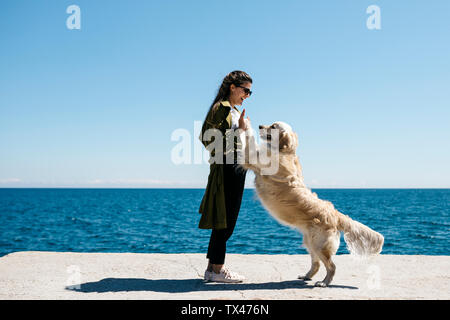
point(227, 273)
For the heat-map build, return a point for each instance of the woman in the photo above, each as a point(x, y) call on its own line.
point(222, 199)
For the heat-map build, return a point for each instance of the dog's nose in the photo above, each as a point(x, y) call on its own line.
point(261, 126)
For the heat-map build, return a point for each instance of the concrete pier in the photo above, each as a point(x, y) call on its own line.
point(70, 275)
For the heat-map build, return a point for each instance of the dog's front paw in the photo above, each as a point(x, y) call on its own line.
point(304, 278)
point(293, 182)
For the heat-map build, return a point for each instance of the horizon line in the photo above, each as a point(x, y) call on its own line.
point(202, 188)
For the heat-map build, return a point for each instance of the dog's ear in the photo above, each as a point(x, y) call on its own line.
point(295, 144)
point(286, 141)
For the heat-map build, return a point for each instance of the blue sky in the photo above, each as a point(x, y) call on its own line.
point(96, 107)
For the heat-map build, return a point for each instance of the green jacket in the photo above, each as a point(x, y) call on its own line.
point(212, 207)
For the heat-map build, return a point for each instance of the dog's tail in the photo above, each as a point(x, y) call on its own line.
point(360, 239)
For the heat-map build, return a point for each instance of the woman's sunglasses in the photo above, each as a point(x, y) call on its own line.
point(246, 90)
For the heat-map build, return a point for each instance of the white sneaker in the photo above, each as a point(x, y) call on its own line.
point(225, 276)
point(207, 276)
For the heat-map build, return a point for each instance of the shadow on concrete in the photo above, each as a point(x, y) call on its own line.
point(186, 285)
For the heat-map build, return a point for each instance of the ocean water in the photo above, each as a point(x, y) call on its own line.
point(413, 221)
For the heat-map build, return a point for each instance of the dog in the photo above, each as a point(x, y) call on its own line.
point(284, 194)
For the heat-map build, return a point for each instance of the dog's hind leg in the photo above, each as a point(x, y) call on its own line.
point(325, 256)
point(315, 261)
point(315, 265)
point(325, 253)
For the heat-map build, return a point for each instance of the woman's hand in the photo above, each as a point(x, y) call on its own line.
point(244, 123)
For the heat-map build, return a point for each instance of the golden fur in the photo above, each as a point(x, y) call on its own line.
point(286, 197)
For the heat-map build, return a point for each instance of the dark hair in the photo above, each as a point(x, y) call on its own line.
point(237, 78)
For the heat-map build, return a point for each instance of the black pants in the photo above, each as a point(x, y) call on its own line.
point(234, 180)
